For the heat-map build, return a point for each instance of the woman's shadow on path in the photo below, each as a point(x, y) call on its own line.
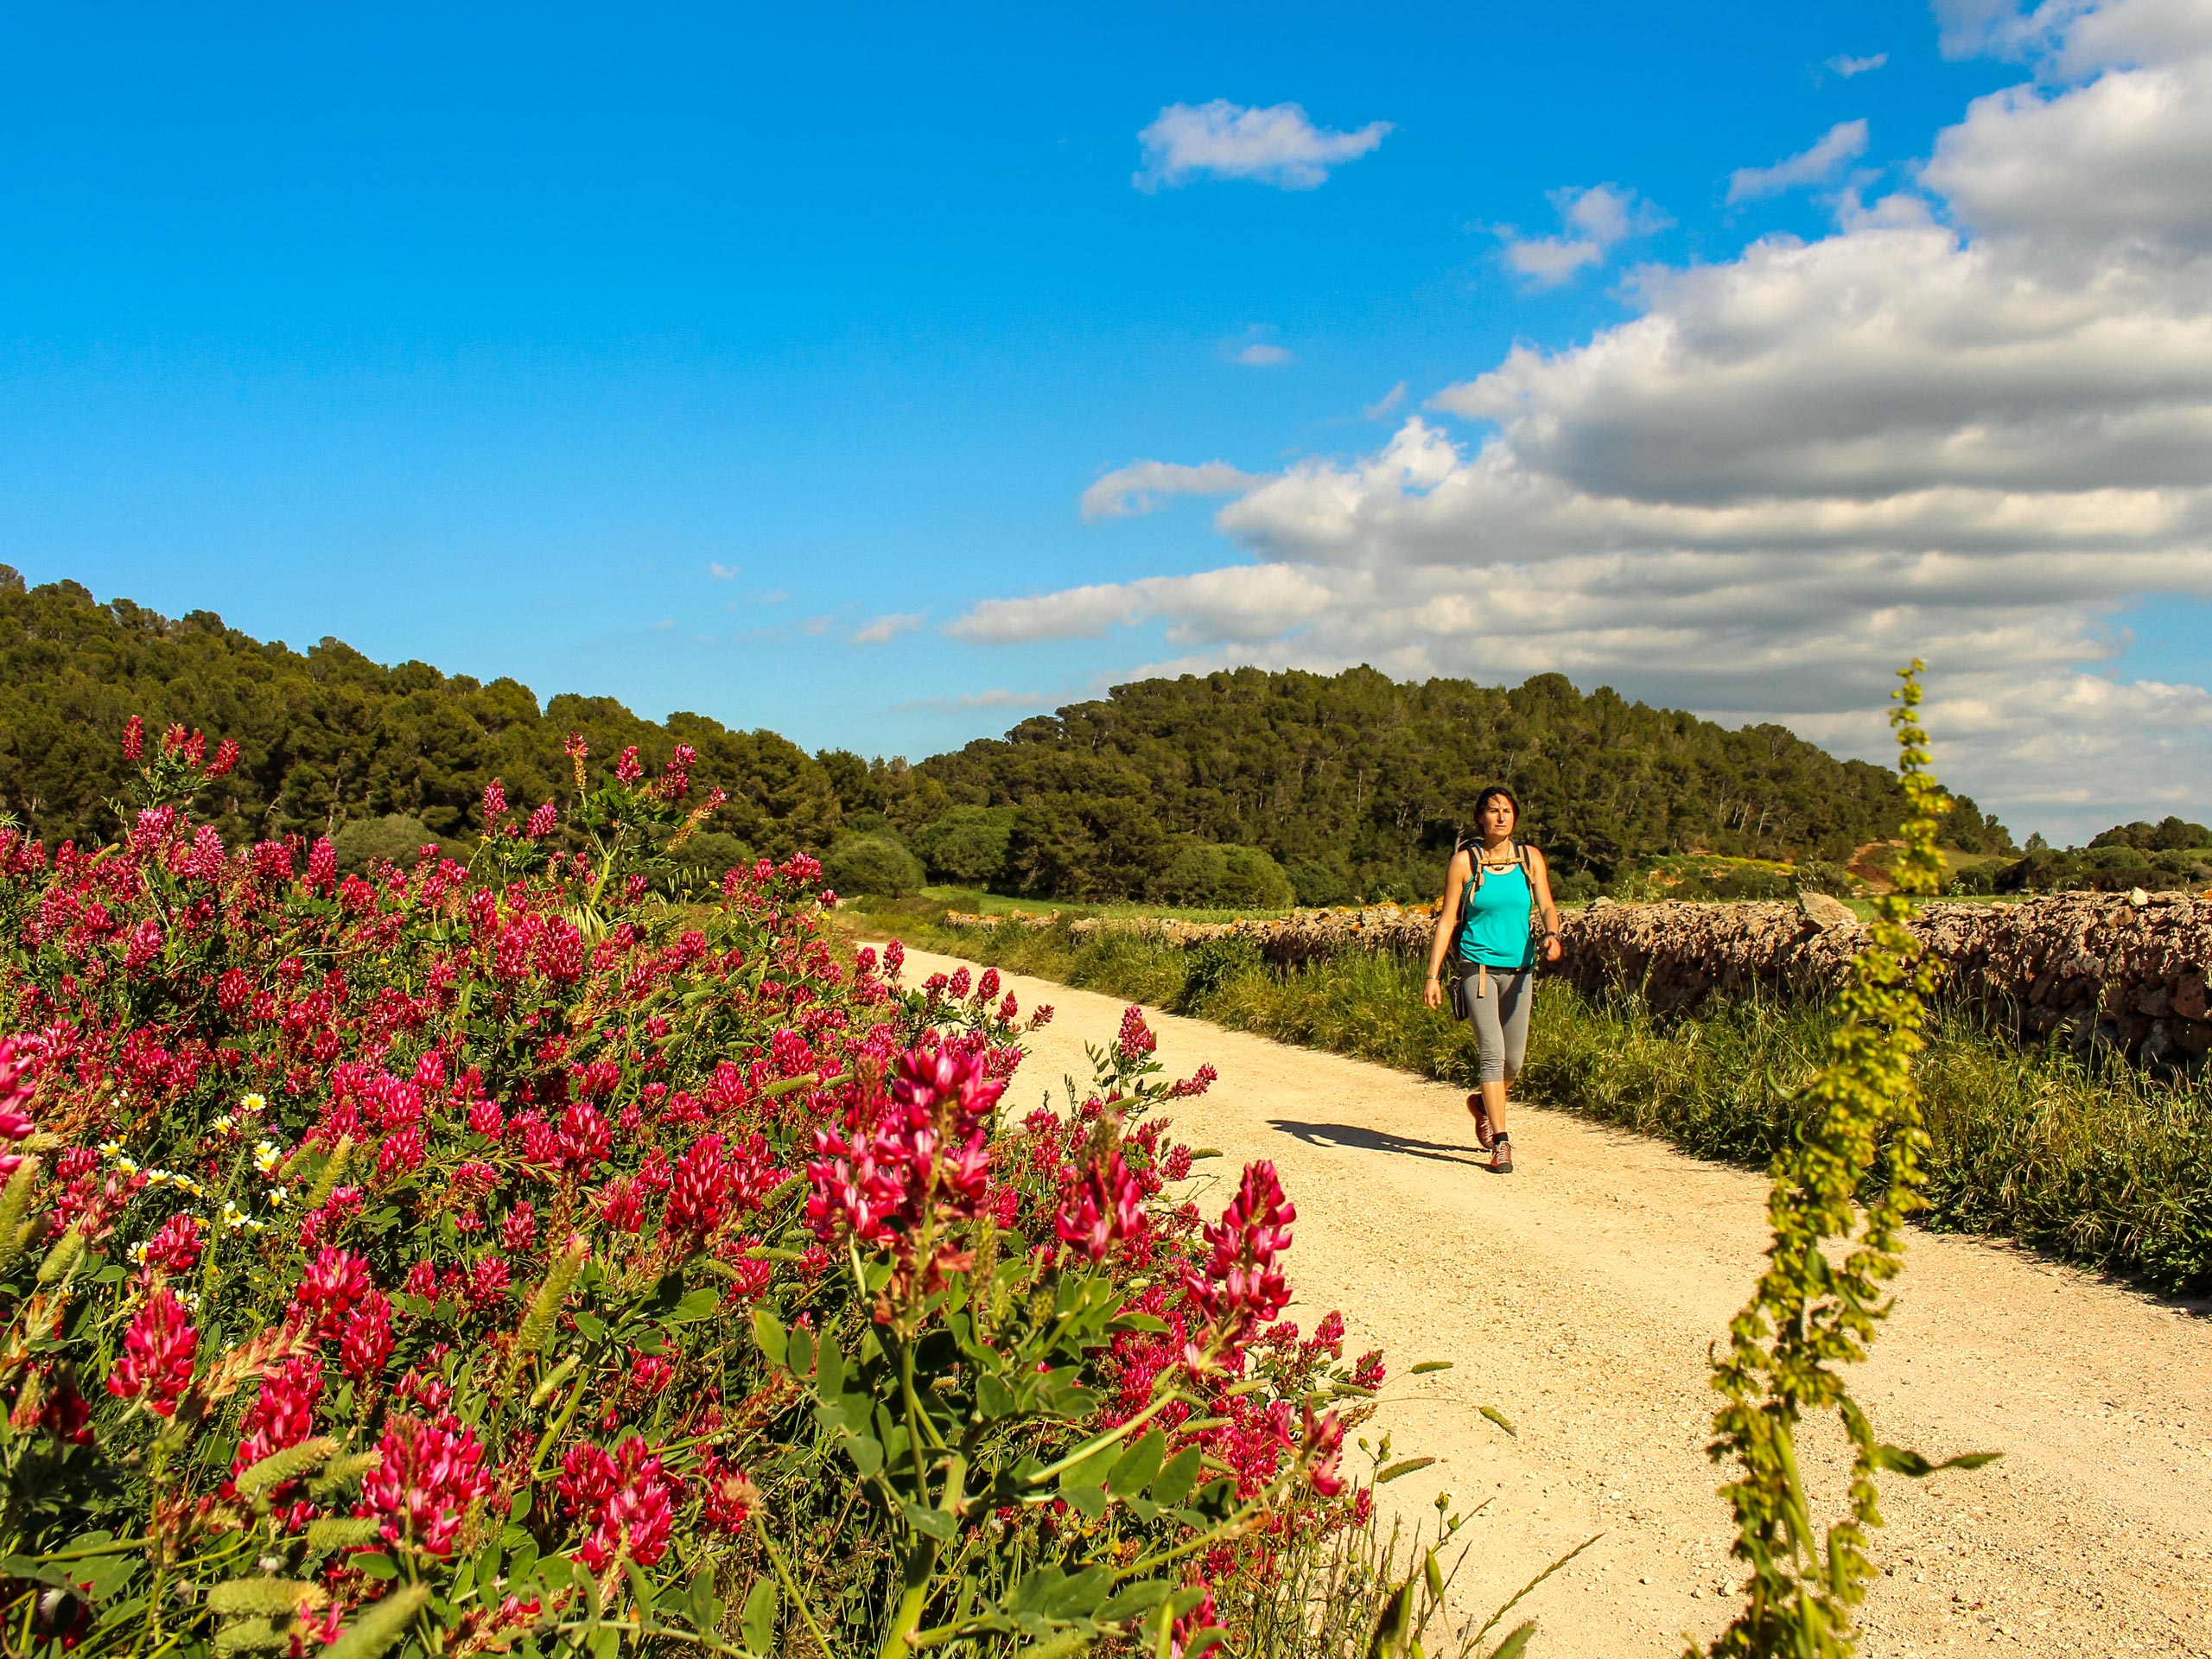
point(1351, 1134)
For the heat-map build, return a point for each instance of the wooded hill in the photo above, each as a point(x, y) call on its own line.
point(1354, 783)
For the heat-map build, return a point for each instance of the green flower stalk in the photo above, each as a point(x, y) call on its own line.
point(537, 1322)
point(15, 1201)
point(1809, 1316)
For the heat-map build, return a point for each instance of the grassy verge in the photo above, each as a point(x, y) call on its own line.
point(2109, 1167)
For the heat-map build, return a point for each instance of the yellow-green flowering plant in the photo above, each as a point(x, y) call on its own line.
point(1811, 1315)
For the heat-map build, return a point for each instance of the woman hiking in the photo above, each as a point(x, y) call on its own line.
point(1482, 921)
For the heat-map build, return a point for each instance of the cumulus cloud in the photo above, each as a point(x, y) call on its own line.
point(1836, 149)
point(2074, 38)
point(1144, 487)
point(884, 628)
point(1277, 145)
point(1594, 220)
point(2124, 161)
point(1847, 65)
point(1970, 429)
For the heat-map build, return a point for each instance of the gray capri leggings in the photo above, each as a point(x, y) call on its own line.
point(1501, 1020)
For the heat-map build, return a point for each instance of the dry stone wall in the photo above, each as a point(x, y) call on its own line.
point(2126, 970)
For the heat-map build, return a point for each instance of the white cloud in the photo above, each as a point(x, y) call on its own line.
point(1386, 403)
point(1840, 145)
point(1971, 429)
point(1277, 145)
point(881, 629)
point(1593, 220)
point(2126, 159)
point(1549, 261)
point(775, 596)
point(1143, 486)
point(1847, 65)
point(1263, 354)
point(721, 572)
point(2074, 38)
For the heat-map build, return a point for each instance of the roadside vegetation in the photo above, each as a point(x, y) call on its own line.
point(506, 1259)
point(2105, 1165)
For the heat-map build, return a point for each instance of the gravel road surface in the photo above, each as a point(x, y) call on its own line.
point(1578, 1297)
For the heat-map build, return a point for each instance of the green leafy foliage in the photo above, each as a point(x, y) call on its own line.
point(2171, 834)
point(1357, 784)
point(326, 736)
point(395, 838)
point(2115, 867)
point(509, 1258)
point(1230, 877)
point(1351, 785)
point(968, 845)
point(875, 864)
point(1813, 1313)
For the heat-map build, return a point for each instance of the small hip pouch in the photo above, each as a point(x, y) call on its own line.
point(1470, 985)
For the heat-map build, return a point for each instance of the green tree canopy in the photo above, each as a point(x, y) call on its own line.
point(967, 845)
point(872, 864)
point(1349, 785)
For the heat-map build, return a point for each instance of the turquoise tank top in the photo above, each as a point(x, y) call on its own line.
point(1496, 931)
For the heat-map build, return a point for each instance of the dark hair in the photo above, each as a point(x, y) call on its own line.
point(1495, 792)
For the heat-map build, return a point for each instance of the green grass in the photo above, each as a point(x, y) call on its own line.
point(2110, 1166)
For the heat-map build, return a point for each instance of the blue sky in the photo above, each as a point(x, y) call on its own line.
point(731, 360)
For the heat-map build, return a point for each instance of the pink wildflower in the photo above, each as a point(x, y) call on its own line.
point(422, 1490)
point(1105, 1206)
point(157, 1355)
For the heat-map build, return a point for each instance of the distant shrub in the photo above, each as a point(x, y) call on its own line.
point(396, 836)
point(967, 845)
point(1751, 883)
point(2170, 834)
point(1314, 883)
point(714, 852)
point(873, 864)
point(1229, 876)
point(2114, 867)
point(1574, 886)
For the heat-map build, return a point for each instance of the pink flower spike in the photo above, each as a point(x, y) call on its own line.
point(157, 1355)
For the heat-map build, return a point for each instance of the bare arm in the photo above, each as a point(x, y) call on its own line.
point(1455, 877)
point(1539, 876)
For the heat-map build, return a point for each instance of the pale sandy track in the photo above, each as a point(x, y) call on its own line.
point(1578, 1296)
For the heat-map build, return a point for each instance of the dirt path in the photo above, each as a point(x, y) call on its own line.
point(1578, 1296)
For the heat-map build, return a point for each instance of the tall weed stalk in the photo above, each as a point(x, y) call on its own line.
point(1810, 1313)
